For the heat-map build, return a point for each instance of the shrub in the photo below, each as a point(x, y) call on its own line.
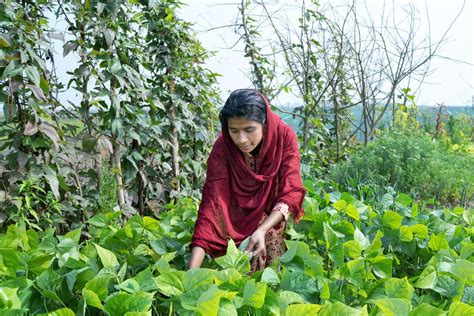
point(411, 163)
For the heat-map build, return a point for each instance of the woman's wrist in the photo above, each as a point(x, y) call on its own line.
point(197, 257)
point(270, 222)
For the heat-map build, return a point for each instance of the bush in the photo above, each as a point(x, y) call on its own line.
point(411, 163)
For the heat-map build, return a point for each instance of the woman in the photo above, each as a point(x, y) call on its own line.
point(253, 183)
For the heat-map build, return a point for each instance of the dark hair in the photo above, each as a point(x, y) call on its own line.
point(244, 103)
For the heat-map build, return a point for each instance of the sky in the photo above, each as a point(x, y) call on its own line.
point(451, 80)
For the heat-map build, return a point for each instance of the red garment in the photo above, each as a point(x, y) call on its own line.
point(235, 198)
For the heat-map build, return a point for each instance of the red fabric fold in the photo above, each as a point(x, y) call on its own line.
point(234, 198)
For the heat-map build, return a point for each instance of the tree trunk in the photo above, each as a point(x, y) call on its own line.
point(117, 155)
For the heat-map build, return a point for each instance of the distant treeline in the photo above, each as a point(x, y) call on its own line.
point(426, 114)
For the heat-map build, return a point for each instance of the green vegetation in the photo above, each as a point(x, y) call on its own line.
point(413, 163)
point(98, 198)
point(391, 257)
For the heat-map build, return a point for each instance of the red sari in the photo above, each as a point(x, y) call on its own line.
point(237, 198)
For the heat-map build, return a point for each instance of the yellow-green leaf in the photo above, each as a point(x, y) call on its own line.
point(405, 233)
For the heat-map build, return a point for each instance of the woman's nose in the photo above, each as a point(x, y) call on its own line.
point(242, 138)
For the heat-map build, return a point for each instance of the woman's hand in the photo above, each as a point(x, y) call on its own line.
point(257, 243)
point(257, 239)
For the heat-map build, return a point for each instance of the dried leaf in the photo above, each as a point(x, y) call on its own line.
point(57, 36)
point(109, 36)
point(52, 180)
point(5, 40)
point(104, 146)
point(30, 129)
point(68, 47)
point(15, 86)
point(51, 132)
point(37, 92)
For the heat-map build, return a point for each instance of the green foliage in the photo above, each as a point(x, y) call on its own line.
point(145, 122)
point(108, 188)
point(335, 264)
point(412, 163)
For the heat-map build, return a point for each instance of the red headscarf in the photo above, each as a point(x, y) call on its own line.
point(235, 198)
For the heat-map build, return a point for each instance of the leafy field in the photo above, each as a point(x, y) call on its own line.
point(386, 257)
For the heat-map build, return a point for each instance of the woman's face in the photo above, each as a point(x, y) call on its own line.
point(246, 134)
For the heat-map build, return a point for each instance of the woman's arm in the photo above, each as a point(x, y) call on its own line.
point(197, 257)
point(257, 239)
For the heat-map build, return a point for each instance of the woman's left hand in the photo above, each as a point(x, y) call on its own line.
point(257, 243)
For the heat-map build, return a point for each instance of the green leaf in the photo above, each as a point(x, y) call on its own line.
point(392, 220)
point(227, 308)
point(340, 205)
point(427, 279)
point(107, 257)
point(375, 245)
point(244, 244)
point(38, 263)
point(290, 253)
point(464, 270)
point(289, 297)
point(357, 271)
point(208, 302)
point(330, 236)
point(352, 249)
point(405, 234)
point(254, 294)
point(121, 303)
point(100, 286)
point(427, 310)
point(360, 237)
point(460, 308)
point(393, 306)
point(234, 259)
point(352, 212)
point(387, 200)
point(92, 299)
point(60, 312)
point(171, 283)
point(420, 230)
point(270, 276)
point(9, 298)
point(340, 309)
point(129, 285)
point(151, 224)
point(11, 262)
point(230, 276)
point(75, 235)
point(33, 74)
point(404, 199)
point(11, 70)
point(303, 309)
point(146, 281)
point(399, 288)
point(98, 220)
point(449, 287)
point(198, 277)
point(438, 242)
point(382, 266)
point(467, 216)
